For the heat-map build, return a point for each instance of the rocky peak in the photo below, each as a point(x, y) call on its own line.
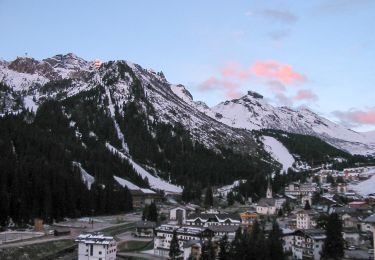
point(68, 61)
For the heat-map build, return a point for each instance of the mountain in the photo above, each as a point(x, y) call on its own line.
point(252, 112)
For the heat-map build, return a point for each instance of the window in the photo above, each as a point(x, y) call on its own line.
point(100, 252)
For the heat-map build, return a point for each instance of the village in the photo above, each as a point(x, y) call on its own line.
point(160, 223)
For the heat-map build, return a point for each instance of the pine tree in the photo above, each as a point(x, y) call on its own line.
point(230, 198)
point(209, 199)
point(208, 251)
point(333, 247)
point(275, 246)
point(174, 249)
point(307, 205)
point(224, 248)
point(152, 212)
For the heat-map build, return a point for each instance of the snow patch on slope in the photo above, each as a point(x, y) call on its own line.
point(86, 177)
point(126, 183)
point(155, 183)
point(279, 152)
point(366, 187)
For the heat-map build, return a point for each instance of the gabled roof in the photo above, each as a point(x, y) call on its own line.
point(145, 224)
point(220, 217)
point(267, 202)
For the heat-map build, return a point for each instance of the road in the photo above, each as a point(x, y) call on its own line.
point(140, 255)
point(34, 241)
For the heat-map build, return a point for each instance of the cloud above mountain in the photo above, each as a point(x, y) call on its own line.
point(355, 117)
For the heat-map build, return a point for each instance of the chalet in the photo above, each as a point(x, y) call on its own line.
point(308, 243)
point(213, 219)
point(164, 234)
point(144, 228)
point(142, 197)
point(96, 246)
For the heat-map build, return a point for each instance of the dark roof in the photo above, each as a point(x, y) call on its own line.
point(145, 224)
point(212, 215)
point(223, 228)
point(266, 202)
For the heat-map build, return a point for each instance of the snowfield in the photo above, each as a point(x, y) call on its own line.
point(279, 152)
point(366, 187)
point(155, 182)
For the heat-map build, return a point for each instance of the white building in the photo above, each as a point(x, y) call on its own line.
point(179, 214)
point(308, 244)
point(371, 220)
point(269, 205)
point(300, 189)
point(306, 219)
point(96, 246)
point(164, 234)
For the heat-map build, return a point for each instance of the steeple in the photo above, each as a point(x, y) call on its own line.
point(269, 190)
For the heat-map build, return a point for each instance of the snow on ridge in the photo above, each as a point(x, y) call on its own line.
point(86, 177)
point(155, 183)
point(126, 183)
point(279, 152)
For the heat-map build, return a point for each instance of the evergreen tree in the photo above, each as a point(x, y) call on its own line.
point(275, 246)
point(174, 249)
point(153, 212)
point(224, 248)
point(209, 199)
point(307, 205)
point(333, 247)
point(230, 198)
point(208, 251)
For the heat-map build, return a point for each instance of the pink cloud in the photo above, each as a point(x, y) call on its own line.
point(230, 87)
point(357, 116)
point(305, 95)
point(234, 70)
point(274, 70)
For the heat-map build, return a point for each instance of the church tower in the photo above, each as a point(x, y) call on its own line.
point(269, 190)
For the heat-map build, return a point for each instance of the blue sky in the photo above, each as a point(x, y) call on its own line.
point(319, 54)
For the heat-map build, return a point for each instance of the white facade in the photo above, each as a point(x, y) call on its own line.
point(308, 245)
point(305, 219)
point(96, 247)
point(178, 215)
point(298, 189)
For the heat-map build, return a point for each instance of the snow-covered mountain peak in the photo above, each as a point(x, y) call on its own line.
point(68, 61)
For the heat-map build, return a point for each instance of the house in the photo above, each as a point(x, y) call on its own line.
point(213, 219)
point(248, 217)
point(142, 197)
point(144, 228)
point(164, 234)
point(96, 246)
point(358, 204)
point(308, 243)
point(351, 236)
point(306, 219)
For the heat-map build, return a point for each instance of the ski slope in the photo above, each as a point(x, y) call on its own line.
point(279, 152)
point(155, 182)
point(86, 177)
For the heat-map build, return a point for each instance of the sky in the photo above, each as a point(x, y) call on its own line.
point(314, 53)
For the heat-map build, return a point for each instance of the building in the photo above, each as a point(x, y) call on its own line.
point(220, 231)
point(371, 221)
point(300, 189)
point(269, 205)
point(192, 249)
point(142, 197)
point(164, 234)
point(308, 244)
point(306, 219)
point(248, 217)
point(179, 214)
point(144, 228)
point(96, 246)
point(213, 219)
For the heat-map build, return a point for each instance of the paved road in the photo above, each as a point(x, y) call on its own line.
point(358, 254)
point(35, 241)
point(140, 255)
